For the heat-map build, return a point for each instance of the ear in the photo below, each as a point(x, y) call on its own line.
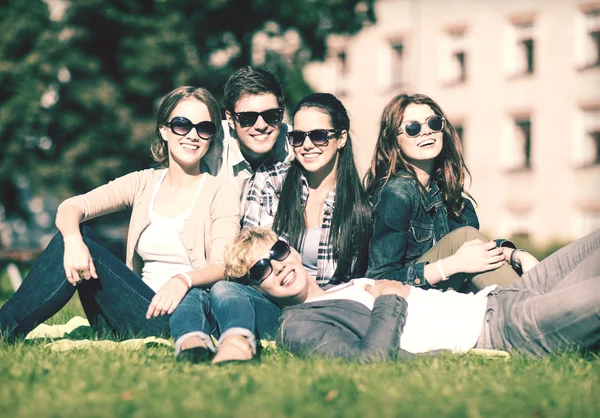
point(230, 120)
point(342, 139)
point(163, 133)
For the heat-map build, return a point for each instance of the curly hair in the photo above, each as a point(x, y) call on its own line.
point(240, 255)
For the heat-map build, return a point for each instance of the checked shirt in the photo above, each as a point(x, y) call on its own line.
point(261, 204)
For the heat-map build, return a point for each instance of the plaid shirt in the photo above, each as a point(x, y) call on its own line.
point(261, 204)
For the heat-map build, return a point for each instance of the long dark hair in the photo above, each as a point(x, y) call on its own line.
point(449, 170)
point(351, 221)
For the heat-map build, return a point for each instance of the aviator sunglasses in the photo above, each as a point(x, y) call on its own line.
point(262, 268)
point(271, 117)
point(413, 127)
point(319, 137)
point(182, 126)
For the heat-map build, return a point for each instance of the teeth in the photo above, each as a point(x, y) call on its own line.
point(311, 155)
point(261, 137)
point(425, 143)
point(287, 278)
point(192, 147)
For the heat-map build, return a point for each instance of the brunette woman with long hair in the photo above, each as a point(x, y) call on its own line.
point(317, 204)
point(425, 229)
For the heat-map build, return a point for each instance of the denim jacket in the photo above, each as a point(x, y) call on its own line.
point(406, 225)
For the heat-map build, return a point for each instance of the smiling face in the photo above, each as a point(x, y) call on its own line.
point(256, 141)
point(427, 145)
point(317, 158)
point(289, 283)
point(187, 150)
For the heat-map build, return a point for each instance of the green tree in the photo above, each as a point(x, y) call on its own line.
point(77, 90)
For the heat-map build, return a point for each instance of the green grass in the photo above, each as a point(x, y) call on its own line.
point(36, 382)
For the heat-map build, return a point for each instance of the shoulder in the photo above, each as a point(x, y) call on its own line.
point(139, 178)
point(398, 189)
point(216, 184)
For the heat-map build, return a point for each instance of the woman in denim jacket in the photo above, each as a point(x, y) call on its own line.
point(425, 231)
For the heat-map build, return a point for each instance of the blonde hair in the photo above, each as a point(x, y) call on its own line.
point(240, 254)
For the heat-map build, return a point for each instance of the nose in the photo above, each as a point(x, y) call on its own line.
point(260, 124)
point(193, 134)
point(307, 144)
point(425, 129)
point(277, 267)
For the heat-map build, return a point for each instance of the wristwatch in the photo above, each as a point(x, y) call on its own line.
point(515, 263)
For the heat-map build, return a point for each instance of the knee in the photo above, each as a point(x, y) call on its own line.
point(224, 288)
point(469, 233)
point(195, 298)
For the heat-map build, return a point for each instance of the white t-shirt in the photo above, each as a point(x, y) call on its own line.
point(436, 320)
point(160, 246)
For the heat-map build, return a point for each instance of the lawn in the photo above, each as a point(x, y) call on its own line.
point(36, 382)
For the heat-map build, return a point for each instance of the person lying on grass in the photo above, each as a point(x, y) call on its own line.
point(554, 307)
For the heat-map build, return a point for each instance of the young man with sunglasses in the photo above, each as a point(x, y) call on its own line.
point(254, 132)
point(554, 307)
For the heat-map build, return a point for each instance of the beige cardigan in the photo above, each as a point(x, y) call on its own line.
point(213, 223)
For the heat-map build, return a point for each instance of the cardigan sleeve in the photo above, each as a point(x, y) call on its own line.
point(118, 194)
point(225, 220)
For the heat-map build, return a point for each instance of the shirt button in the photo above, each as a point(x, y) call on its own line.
point(190, 248)
point(442, 235)
point(417, 281)
point(180, 231)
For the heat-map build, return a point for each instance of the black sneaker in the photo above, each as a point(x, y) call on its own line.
point(195, 355)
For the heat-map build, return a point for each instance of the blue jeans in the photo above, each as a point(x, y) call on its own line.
point(552, 308)
point(243, 310)
point(193, 318)
point(115, 303)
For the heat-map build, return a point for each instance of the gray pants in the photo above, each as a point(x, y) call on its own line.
point(554, 307)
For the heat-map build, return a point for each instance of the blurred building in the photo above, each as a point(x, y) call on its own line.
point(519, 79)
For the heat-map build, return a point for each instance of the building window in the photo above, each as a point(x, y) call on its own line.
point(523, 139)
point(520, 48)
point(587, 43)
point(342, 63)
point(516, 145)
point(454, 62)
point(586, 146)
point(397, 64)
point(341, 72)
point(527, 50)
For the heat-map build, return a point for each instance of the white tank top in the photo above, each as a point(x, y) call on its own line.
point(160, 247)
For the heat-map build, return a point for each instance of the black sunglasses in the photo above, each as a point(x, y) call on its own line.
point(413, 127)
point(262, 268)
point(271, 117)
point(319, 137)
point(182, 126)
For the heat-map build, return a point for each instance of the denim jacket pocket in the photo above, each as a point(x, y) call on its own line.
point(422, 236)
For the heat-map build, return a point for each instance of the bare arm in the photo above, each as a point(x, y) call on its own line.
point(472, 257)
point(527, 260)
point(77, 260)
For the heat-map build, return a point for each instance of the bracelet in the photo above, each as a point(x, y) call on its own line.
point(187, 280)
point(441, 270)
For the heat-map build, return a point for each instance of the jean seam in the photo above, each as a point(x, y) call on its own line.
point(125, 282)
point(40, 305)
